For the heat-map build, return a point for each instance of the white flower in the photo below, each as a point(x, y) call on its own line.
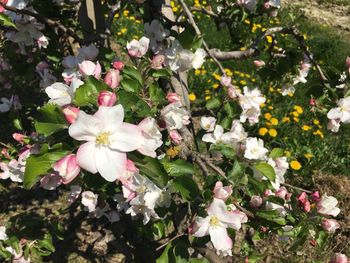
point(333, 125)
point(156, 33)
point(328, 206)
point(280, 165)
point(250, 103)
point(198, 58)
point(151, 135)
point(175, 116)
point(138, 48)
point(89, 200)
point(216, 223)
point(287, 89)
point(148, 197)
point(237, 132)
point(254, 149)
point(180, 59)
point(107, 138)
point(208, 123)
point(62, 94)
point(13, 170)
point(3, 235)
point(342, 112)
point(6, 104)
point(218, 136)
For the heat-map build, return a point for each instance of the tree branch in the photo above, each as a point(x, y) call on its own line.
point(47, 21)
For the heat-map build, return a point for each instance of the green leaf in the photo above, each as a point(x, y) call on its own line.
point(276, 153)
point(267, 170)
point(40, 164)
point(178, 167)
point(225, 149)
point(164, 257)
point(156, 93)
point(271, 215)
point(186, 37)
point(133, 73)
point(6, 21)
point(213, 104)
point(197, 42)
point(161, 73)
point(185, 185)
point(321, 238)
point(130, 85)
point(151, 168)
point(47, 243)
point(51, 120)
point(86, 94)
point(275, 199)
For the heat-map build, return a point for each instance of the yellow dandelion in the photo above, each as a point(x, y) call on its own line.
point(269, 39)
point(285, 119)
point(192, 97)
point(273, 132)
point(274, 121)
point(306, 127)
point(295, 165)
point(298, 109)
point(267, 116)
point(263, 131)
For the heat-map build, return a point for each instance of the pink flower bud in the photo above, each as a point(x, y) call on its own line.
point(173, 97)
point(267, 5)
point(71, 114)
point(264, 229)
point(268, 192)
point(67, 168)
point(233, 92)
point(89, 68)
point(221, 192)
point(225, 80)
point(19, 137)
point(307, 207)
point(315, 196)
point(255, 201)
point(302, 198)
point(330, 225)
point(158, 61)
point(312, 102)
point(118, 65)
point(281, 192)
point(347, 61)
point(259, 63)
point(175, 136)
point(2, 9)
point(106, 98)
point(339, 258)
point(112, 78)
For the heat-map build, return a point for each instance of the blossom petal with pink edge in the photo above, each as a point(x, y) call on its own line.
point(127, 138)
point(202, 225)
point(86, 157)
point(85, 128)
point(220, 239)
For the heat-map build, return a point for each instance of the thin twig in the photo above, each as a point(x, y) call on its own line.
point(170, 240)
point(47, 21)
point(297, 188)
point(199, 34)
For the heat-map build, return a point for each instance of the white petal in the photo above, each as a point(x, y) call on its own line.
point(85, 128)
point(334, 113)
point(203, 226)
point(110, 117)
point(127, 138)
point(220, 238)
point(111, 164)
point(86, 157)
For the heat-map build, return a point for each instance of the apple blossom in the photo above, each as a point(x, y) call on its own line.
point(328, 206)
point(89, 200)
point(138, 48)
point(156, 33)
point(333, 125)
point(62, 94)
point(233, 92)
point(108, 139)
point(74, 193)
point(175, 136)
point(112, 78)
point(67, 168)
point(89, 68)
point(315, 196)
point(106, 98)
point(3, 235)
point(173, 97)
point(175, 116)
point(218, 136)
point(118, 65)
point(342, 112)
point(255, 201)
point(330, 225)
point(339, 258)
point(280, 166)
point(42, 41)
point(215, 225)
point(208, 123)
point(70, 113)
point(254, 149)
point(221, 192)
point(19, 137)
point(282, 193)
point(259, 63)
point(225, 81)
point(250, 103)
point(50, 181)
point(158, 61)
point(152, 138)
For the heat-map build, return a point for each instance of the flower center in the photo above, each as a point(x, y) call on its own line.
point(103, 138)
point(214, 221)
